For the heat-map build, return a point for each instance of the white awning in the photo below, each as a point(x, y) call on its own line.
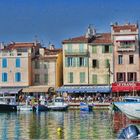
point(125, 38)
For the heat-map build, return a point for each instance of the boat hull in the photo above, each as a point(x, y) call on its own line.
point(58, 108)
point(130, 109)
point(40, 108)
point(85, 107)
point(25, 108)
point(7, 107)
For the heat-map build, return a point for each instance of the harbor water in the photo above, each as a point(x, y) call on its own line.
point(73, 124)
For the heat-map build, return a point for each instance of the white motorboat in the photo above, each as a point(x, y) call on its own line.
point(58, 104)
point(25, 107)
point(8, 103)
point(130, 106)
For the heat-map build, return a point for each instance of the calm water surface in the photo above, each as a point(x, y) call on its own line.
point(73, 124)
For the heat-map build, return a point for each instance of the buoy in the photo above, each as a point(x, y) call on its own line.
point(59, 129)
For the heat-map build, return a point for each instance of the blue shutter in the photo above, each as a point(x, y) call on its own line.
point(4, 62)
point(17, 62)
point(18, 77)
point(4, 77)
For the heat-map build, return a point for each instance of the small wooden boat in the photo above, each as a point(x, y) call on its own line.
point(85, 107)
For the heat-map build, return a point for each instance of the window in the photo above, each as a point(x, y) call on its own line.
point(94, 63)
point(69, 47)
point(131, 76)
point(120, 59)
point(94, 49)
point(131, 59)
point(37, 78)
point(17, 62)
point(4, 77)
point(69, 61)
point(82, 77)
point(46, 65)
point(18, 77)
point(45, 78)
point(121, 76)
point(106, 48)
point(81, 61)
point(37, 65)
point(70, 77)
point(4, 62)
point(81, 47)
point(94, 79)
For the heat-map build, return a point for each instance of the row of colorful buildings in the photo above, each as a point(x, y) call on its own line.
point(91, 63)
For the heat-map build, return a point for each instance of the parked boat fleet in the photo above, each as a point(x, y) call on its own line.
point(8, 103)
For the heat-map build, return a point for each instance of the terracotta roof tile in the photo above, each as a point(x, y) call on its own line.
point(15, 45)
point(80, 39)
point(102, 38)
point(118, 28)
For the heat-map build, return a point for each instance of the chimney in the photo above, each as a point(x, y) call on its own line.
point(1, 45)
point(51, 46)
point(41, 51)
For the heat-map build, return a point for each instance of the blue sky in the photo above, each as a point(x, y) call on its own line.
point(56, 20)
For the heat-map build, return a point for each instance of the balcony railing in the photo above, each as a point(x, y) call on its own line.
point(128, 47)
point(14, 53)
point(76, 52)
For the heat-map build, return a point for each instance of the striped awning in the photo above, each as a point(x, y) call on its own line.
point(84, 89)
point(10, 90)
point(36, 89)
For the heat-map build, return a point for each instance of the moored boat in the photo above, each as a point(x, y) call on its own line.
point(42, 105)
point(8, 103)
point(58, 105)
point(85, 107)
point(130, 106)
point(25, 107)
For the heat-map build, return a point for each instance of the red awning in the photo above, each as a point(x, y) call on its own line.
point(125, 86)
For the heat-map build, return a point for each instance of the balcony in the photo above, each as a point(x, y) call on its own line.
point(76, 53)
point(128, 47)
point(13, 54)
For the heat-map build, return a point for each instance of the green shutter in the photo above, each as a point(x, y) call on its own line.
point(86, 61)
point(106, 79)
point(71, 77)
point(78, 61)
point(110, 49)
point(94, 79)
point(81, 47)
point(94, 49)
point(74, 61)
point(82, 77)
point(103, 49)
point(66, 62)
point(69, 47)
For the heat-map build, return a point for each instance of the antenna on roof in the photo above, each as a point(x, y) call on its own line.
point(36, 39)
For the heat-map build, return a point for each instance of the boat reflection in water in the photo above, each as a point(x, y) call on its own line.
point(72, 124)
point(120, 121)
